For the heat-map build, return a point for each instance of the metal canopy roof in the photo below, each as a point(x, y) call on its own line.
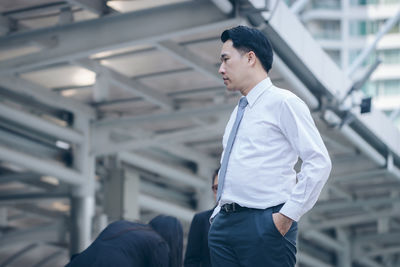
point(134, 85)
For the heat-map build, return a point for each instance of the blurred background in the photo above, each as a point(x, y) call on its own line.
point(115, 109)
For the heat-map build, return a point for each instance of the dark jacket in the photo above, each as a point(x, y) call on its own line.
point(123, 244)
point(197, 251)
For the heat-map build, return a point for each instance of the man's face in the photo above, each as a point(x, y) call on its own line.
point(215, 187)
point(233, 67)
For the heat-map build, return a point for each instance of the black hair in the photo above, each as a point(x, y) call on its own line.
point(214, 175)
point(170, 229)
point(246, 39)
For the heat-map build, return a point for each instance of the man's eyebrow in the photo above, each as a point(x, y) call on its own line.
point(223, 56)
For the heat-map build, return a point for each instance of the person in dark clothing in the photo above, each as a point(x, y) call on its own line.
point(123, 243)
point(197, 251)
point(171, 231)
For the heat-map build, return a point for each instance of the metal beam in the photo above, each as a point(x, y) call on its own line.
point(187, 153)
point(98, 7)
point(363, 175)
point(128, 84)
point(151, 139)
point(113, 32)
point(392, 237)
point(41, 125)
point(65, 16)
point(19, 177)
point(109, 124)
point(311, 261)
point(44, 95)
point(31, 197)
point(329, 206)
point(356, 139)
point(152, 189)
point(37, 211)
point(49, 258)
point(324, 240)
point(348, 220)
point(368, 262)
point(164, 170)
point(18, 254)
point(298, 6)
point(42, 233)
point(45, 167)
point(189, 58)
point(164, 207)
point(382, 251)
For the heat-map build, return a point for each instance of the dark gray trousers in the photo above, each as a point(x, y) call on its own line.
point(249, 238)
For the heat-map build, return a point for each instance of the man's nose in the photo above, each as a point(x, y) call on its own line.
point(221, 69)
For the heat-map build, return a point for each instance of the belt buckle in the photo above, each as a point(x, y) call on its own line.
point(231, 207)
point(225, 208)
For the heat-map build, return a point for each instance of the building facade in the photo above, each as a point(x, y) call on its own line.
point(344, 28)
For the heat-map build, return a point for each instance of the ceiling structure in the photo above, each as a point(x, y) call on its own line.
point(119, 103)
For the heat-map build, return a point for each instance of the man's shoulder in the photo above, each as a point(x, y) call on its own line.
point(276, 96)
point(283, 93)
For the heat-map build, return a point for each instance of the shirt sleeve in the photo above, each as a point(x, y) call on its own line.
point(299, 128)
point(193, 249)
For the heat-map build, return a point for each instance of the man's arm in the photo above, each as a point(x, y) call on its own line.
point(299, 128)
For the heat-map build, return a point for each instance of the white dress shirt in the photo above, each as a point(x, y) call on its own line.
point(275, 130)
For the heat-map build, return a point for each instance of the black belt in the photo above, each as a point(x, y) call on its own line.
point(233, 207)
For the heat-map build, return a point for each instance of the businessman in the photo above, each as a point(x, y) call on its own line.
point(260, 196)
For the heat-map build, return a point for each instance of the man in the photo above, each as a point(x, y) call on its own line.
point(260, 197)
point(197, 251)
point(123, 243)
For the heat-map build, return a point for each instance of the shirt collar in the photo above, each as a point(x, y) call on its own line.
point(257, 91)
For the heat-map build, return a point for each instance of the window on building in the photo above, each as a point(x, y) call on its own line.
point(370, 89)
point(362, 28)
point(390, 56)
point(326, 30)
point(326, 4)
point(390, 87)
point(371, 2)
point(382, 88)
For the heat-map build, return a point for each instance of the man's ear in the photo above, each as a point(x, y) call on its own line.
point(251, 58)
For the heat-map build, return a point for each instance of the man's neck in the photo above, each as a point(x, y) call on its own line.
point(253, 82)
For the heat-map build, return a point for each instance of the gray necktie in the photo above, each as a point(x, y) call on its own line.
point(222, 172)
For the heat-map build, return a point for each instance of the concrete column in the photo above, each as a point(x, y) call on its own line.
point(100, 221)
point(3, 217)
point(121, 192)
point(131, 191)
point(344, 256)
point(113, 193)
point(82, 196)
point(204, 196)
point(82, 208)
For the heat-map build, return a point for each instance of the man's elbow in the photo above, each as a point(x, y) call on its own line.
point(328, 166)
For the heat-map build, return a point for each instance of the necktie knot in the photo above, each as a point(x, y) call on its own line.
point(243, 102)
